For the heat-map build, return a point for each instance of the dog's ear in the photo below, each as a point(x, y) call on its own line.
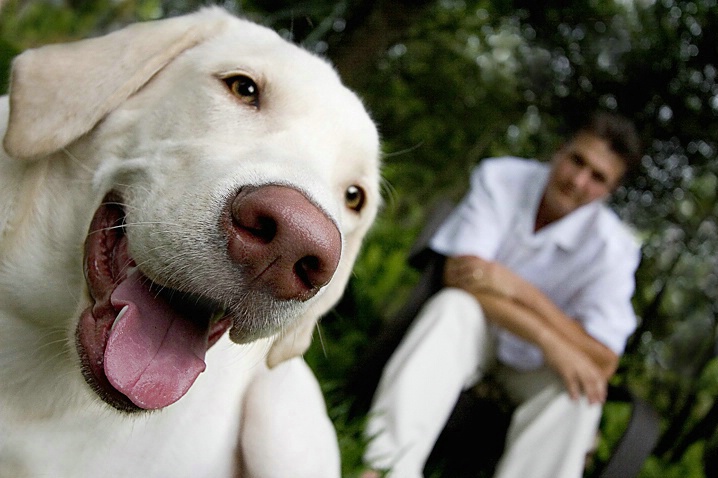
point(60, 92)
point(291, 342)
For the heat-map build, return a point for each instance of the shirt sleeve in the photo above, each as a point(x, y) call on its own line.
point(604, 306)
point(474, 226)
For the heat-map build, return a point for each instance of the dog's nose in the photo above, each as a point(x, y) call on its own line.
point(287, 245)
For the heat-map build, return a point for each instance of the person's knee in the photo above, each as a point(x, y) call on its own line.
point(455, 298)
point(456, 309)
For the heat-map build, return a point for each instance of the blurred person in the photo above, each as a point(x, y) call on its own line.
point(538, 284)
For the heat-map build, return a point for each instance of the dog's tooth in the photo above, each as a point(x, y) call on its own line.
point(121, 313)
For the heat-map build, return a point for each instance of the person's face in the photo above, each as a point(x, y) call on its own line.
point(584, 170)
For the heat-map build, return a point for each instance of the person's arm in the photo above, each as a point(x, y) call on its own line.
point(478, 275)
point(568, 328)
point(578, 372)
point(521, 308)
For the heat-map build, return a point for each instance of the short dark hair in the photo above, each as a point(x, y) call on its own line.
point(620, 134)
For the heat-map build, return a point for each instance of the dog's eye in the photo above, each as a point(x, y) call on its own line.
point(244, 88)
point(354, 197)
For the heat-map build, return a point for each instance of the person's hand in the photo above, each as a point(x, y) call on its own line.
point(370, 474)
point(579, 374)
point(474, 274)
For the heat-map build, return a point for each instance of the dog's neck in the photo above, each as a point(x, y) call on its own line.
point(37, 297)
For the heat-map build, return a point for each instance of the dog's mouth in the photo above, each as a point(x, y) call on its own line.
point(142, 346)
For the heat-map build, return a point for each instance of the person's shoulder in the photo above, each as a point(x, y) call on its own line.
point(619, 236)
point(508, 170)
point(509, 164)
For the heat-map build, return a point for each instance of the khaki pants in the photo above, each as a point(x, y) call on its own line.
point(448, 348)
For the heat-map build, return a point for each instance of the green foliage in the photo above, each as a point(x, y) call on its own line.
point(26, 25)
point(689, 465)
point(473, 79)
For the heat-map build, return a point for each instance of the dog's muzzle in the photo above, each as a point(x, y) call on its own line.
point(143, 344)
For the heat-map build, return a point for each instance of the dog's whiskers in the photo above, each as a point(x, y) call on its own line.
point(153, 223)
point(57, 354)
point(321, 339)
point(138, 224)
point(404, 151)
point(57, 336)
point(139, 187)
point(389, 190)
point(187, 268)
point(77, 160)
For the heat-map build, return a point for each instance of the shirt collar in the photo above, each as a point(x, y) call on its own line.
point(568, 231)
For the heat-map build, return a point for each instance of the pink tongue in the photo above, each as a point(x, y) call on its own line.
point(153, 355)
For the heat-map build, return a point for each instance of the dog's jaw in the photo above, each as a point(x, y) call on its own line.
point(131, 361)
point(143, 338)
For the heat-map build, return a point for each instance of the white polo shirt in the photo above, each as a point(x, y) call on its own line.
point(585, 262)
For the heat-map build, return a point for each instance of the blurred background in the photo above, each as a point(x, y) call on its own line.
point(451, 82)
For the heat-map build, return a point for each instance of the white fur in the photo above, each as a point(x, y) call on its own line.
point(161, 128)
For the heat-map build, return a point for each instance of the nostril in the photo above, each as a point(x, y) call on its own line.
point(308, 269)
point(263, 228)
point(252, 219)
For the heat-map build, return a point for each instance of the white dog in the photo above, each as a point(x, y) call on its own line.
point(179, 202)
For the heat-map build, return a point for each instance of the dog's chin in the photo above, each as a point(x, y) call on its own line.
point(250, 326)
point(142, 345)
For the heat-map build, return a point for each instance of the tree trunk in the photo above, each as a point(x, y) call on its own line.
point(372, 27)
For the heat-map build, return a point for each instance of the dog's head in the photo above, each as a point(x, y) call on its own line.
point(230, 179)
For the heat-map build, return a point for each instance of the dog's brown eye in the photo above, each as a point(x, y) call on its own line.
point(244, 88)
point(355, 197)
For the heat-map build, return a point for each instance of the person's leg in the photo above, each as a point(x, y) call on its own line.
point(446, 349)
point(550, 433)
